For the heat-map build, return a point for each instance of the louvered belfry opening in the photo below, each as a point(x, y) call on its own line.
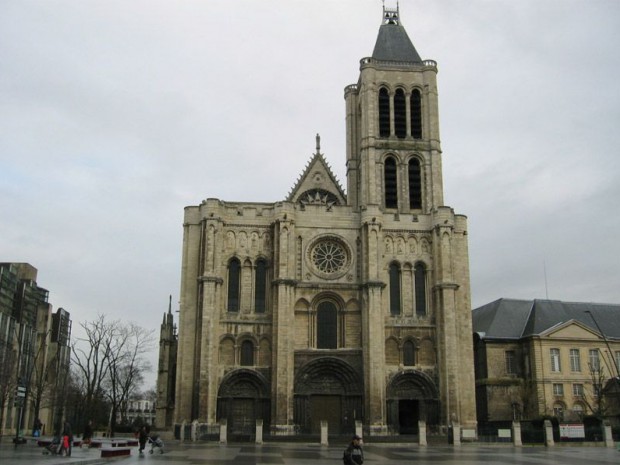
point(415, 107)
point(384, 113)
point(415, 184)
point(400, 114)
point(391, 185)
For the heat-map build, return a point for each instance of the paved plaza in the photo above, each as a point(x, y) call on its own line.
point(307, 454)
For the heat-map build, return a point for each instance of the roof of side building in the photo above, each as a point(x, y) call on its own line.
point(515, 319)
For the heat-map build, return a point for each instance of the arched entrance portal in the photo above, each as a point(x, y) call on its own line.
point(242, 399)
point(411, 396)
point(328, 389)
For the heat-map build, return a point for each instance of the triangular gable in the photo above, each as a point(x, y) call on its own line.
point(317, 185)
point(571, 329)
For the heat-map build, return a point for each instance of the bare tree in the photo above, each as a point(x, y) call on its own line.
point(42, 375)
point(150, 395)
point(91, 357)
point(595, 399)
point(127, 367)
point(109, 363)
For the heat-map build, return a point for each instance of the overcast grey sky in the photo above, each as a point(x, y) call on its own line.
point(115, 115)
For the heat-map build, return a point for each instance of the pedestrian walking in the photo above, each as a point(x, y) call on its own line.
point(66, 439)
point(142, 438)
point(36, 429)
point(88, 433)
point(354, 454)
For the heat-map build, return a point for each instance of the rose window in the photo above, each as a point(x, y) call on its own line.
point(329, 256)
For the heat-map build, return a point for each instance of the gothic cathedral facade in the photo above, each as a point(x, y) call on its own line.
point(333, 306)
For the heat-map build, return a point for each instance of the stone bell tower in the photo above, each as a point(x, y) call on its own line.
point(328, 306)
point(415, 257)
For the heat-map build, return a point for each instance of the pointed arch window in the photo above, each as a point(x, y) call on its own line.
point(394, 275)
point(415, 109)
point(234, 272)
point(260, 286)
point(384, 112)
point(408, 354)
point(400, 114)
point(391, 183)
point(327, 326)
point(246, 357)
point(415, 184)
point(420, 289)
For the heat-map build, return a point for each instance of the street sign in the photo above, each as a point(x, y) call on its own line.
point(21, 391)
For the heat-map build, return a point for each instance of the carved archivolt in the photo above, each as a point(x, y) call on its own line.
point(411, 384)
point(244, 383)
point(327, 375)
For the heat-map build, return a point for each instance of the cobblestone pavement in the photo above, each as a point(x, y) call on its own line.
point(315, 454)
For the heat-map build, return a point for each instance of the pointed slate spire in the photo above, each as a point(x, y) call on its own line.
point(393, 43)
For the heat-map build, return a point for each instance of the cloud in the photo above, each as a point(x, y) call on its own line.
point(115, 115)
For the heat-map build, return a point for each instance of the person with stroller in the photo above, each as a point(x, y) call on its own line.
point(142, 438)
point(156, 443)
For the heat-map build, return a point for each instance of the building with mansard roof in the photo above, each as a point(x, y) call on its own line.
point(538, 358)
point(336, 306)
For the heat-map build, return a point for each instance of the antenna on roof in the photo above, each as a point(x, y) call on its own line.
point(545, 273)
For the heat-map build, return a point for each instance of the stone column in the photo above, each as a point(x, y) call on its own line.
point(259, 431)
point(456, 434)
point(549, 434)
point(359, 428)
point(516, 433)
point(422, 433)
point(324, 439)
point(194, 430)
point(282, 383)
point(607, 437)
point(223, 431)
point(207, 395)
point(374, 362)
